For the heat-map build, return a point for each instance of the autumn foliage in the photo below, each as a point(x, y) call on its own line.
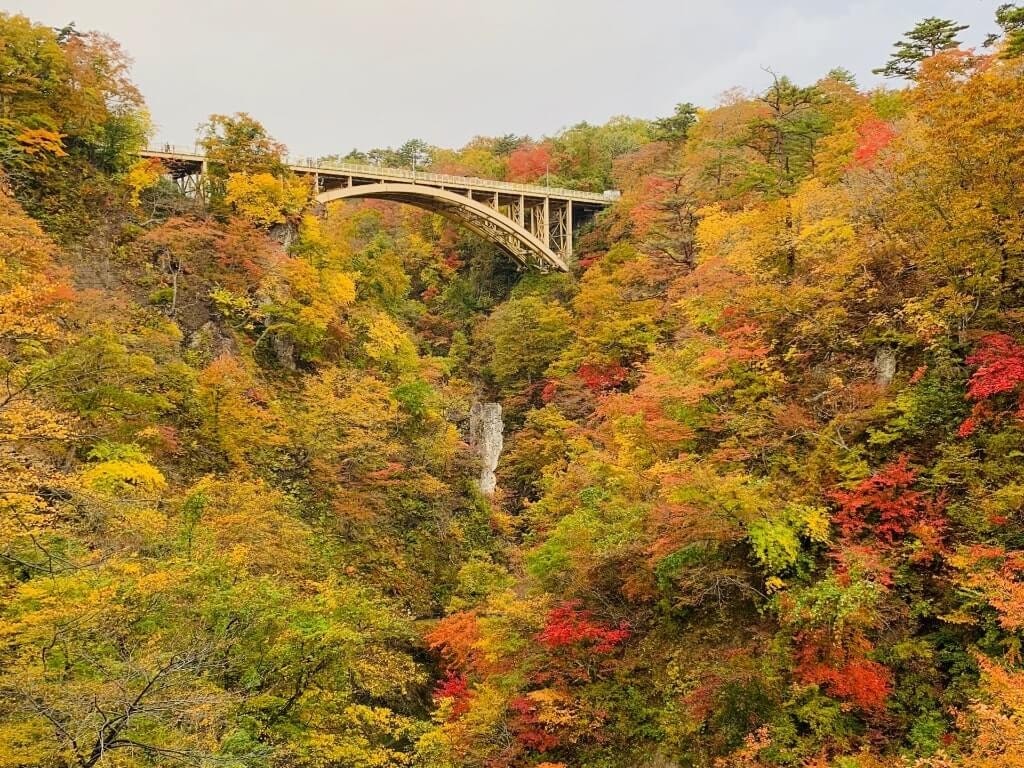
point(885, 506)
point(530, 163)
point(760, 498)
point(861, 682)
point(873, 135)
point(999, 367)
point(570, 626)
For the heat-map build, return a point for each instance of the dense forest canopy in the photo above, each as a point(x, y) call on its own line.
point(761, 502)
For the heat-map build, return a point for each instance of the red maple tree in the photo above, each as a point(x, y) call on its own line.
point(454, 686)
point(873, 136)
point(528, 727)
point(886, 505)
point(569, 625)
point(998, 364)
point(999, 367)
point(529, 163)
point(864, 683)
point(600, 377)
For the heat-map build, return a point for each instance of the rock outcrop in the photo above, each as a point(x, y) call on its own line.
point(486, 437)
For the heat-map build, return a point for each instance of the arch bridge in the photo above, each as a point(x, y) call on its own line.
point(534, 224)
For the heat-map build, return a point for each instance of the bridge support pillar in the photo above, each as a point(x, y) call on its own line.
point(202, 179)
point(547, 222)
point(540, 221)
point(568, 245)
point(560, 228)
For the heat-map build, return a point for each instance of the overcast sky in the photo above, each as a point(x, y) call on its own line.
point(325, 76)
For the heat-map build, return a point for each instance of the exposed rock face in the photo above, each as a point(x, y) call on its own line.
point(284, 350)
point(885, 366)
point(486, 437)
point(211, 341)
point(284, 234)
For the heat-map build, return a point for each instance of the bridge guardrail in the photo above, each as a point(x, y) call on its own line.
point(368, 169)
point(175, 149)
point(536, 190)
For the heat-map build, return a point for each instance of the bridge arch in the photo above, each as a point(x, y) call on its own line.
point(488, 222)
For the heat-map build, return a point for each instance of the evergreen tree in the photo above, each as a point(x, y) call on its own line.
point(415, 153)
point(678, 125)
point(926, 39)
point(1010, 18)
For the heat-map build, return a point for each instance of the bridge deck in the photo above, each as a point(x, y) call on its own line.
point(346, 170)
point(535, 224)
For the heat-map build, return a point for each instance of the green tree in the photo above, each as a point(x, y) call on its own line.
point(677, 126)
point(1010, 18)
point(585, 153)
point(783, 137)
point(509, 143)
point(415, 153)
point(527, 335)
point(926, 39)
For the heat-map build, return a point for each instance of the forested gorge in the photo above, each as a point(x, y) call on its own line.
point(761, 501)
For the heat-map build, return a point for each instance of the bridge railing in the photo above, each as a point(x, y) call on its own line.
point(534, 190)
point(176, 149)
point(440, 179)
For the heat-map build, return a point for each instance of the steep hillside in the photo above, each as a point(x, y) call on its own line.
point(760, 501)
